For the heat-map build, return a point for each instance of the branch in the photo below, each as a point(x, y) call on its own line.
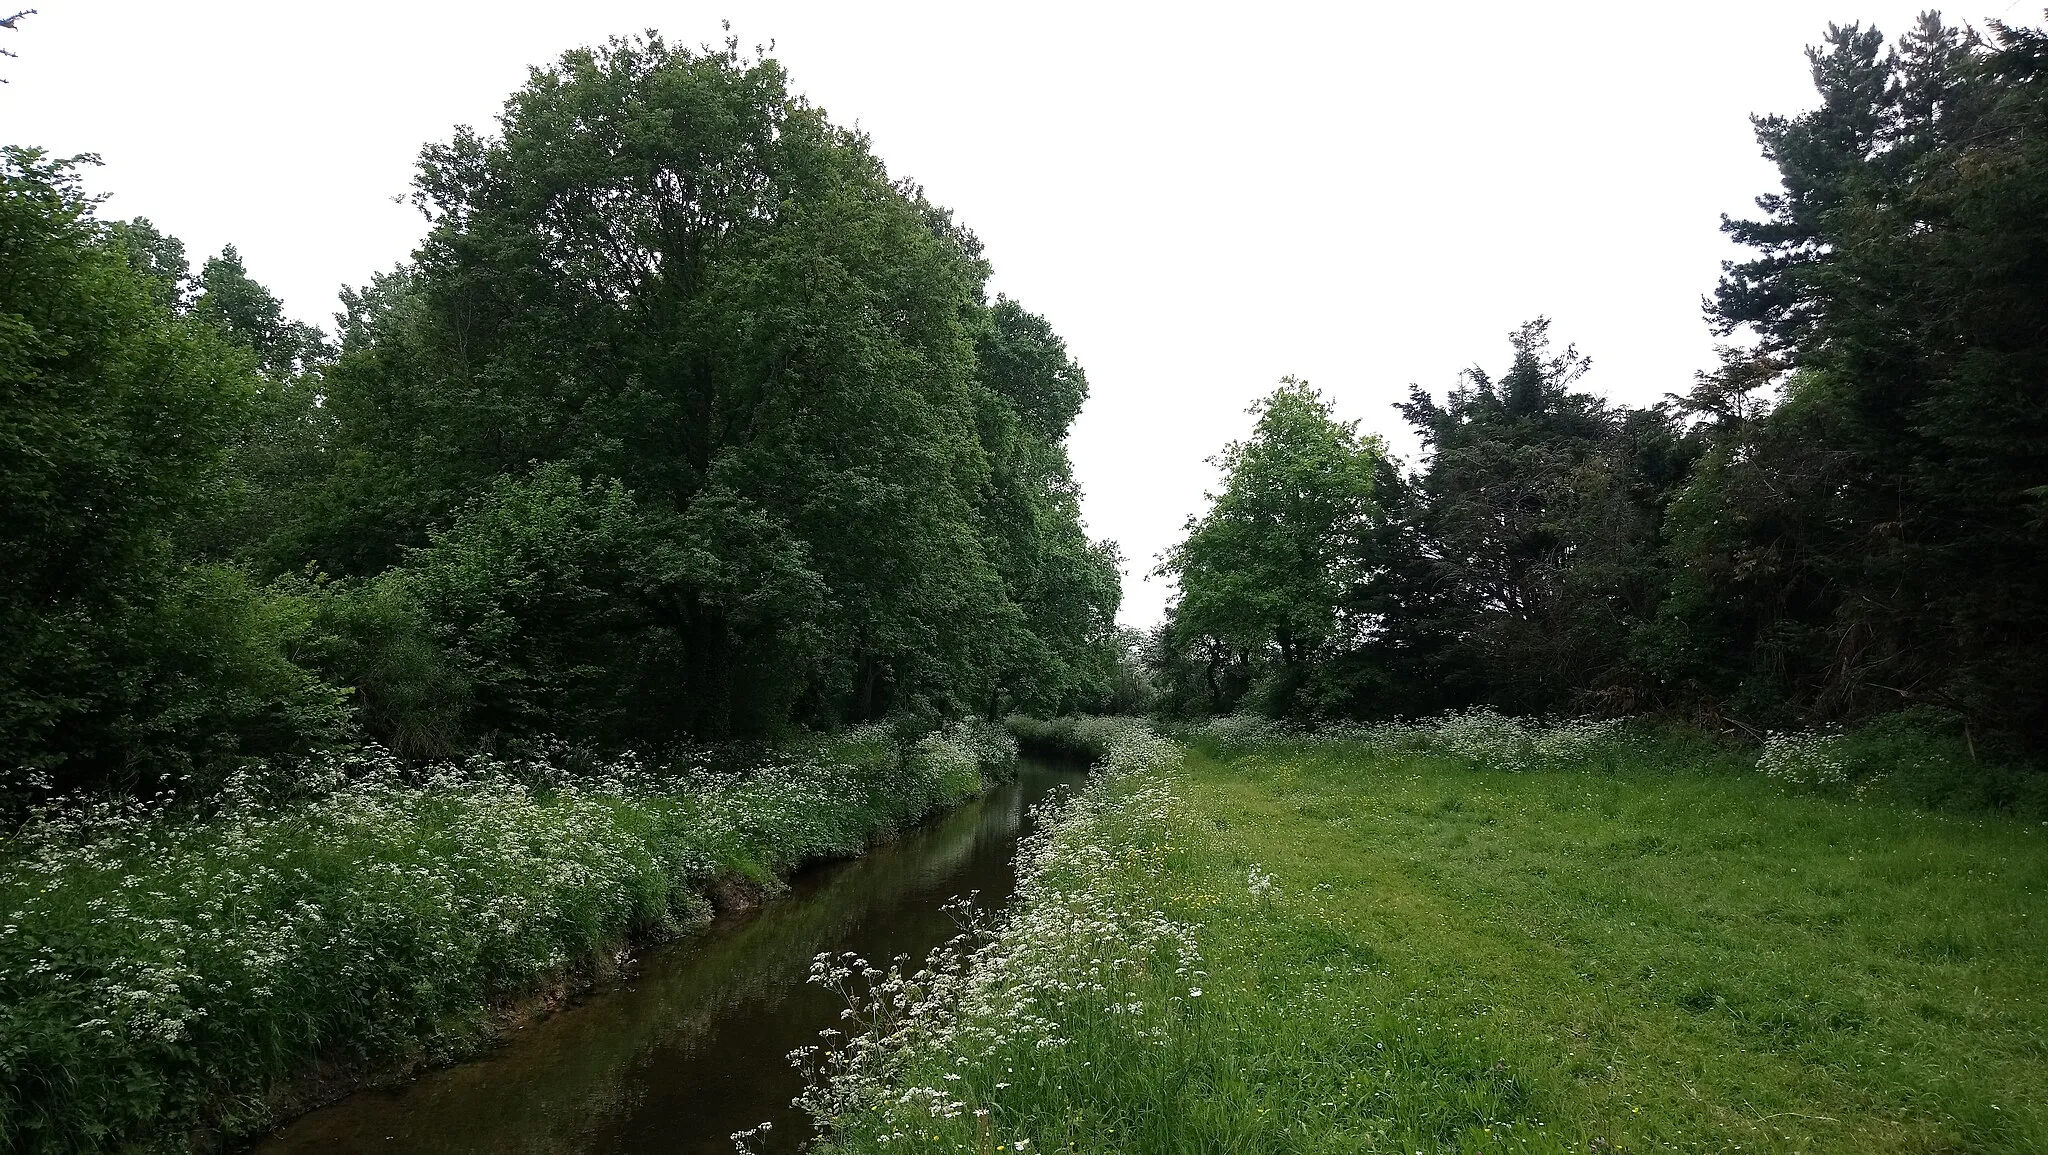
point(8, 24)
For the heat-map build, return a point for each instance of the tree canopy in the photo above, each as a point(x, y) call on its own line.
point(686, 420)
point(120, 659)
point(1269, 567)
point(1846, 517)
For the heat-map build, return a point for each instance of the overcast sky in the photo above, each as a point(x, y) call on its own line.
point(1200, 199)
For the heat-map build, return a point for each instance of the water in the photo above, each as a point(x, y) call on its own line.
point(694, 1045)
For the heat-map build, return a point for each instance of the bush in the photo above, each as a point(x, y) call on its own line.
point(525, 594)
point(215, 685)
point(991, 745)
point(179, 691)
point(1249, 729)
point(374, 638)
point(1922, 756)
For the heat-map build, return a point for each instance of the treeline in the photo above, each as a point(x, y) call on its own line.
point(1848, 517)
point(685, 421)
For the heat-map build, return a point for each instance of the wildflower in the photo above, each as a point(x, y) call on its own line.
point(1074, 941)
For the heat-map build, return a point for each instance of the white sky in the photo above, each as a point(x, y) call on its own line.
point(1201, 199)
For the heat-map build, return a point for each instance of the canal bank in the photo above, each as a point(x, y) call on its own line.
point(691, 1045)
point(183, 975)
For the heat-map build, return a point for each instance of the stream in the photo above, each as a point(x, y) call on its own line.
point(693, 1044)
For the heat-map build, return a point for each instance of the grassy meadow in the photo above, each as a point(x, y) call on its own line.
point(1624, 945)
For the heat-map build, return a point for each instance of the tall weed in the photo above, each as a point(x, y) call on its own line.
point(1481, 736)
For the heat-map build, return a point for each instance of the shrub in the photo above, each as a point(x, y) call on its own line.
point(1247, 729)
point(1920, 756)
point(946, 763)
point(374, 638)
point(991, 745)
point(1809, 759)
point(189, 685)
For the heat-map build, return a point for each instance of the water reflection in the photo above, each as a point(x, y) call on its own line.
point(693, 1047)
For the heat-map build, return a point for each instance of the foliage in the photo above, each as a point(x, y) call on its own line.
point(1070, 652)
point(981, 742)
point(1537, 516)
point(685, 421)
point(1844, 519)
point(1514, 569)
point(831, 473)
point(550, 596)
point(281, 442)
point(161, 972)
point(1263, 574)
point(1479, 737)
point(1874, 540)
point(1085, 737)
point(1921, 757)
point(247, 312)
point(406, 691)
point(118, 661)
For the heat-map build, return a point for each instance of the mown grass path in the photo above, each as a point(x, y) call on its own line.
point(1631, 957)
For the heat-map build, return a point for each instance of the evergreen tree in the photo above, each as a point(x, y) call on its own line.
point(1538, 516)
point(1874, 540)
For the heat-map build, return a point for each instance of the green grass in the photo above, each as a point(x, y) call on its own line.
point(1655, 949)
point(1665, 959)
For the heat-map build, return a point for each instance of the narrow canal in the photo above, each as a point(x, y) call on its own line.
point(693, 1045)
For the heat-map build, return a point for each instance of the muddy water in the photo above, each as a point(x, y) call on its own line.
point(693, 1045)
